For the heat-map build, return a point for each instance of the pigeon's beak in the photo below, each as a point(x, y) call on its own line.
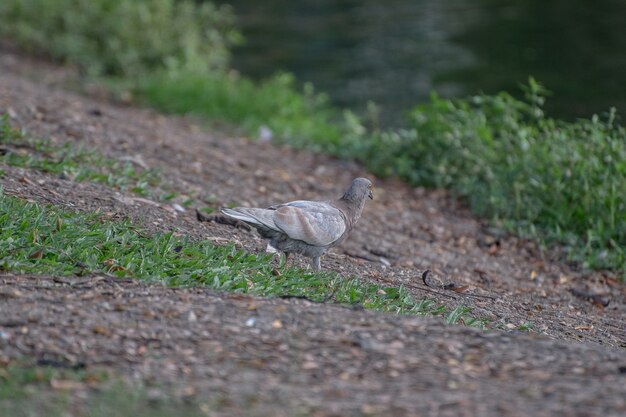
point(370, 195)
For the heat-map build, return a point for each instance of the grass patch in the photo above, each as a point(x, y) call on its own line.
point(301, 118)
point(47, 240)
point(72, 161)
point(32, 390)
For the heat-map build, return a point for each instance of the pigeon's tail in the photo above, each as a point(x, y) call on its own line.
point(259, 218)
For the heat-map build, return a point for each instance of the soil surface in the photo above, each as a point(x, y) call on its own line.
point(252, 356)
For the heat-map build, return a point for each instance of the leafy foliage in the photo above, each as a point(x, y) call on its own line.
point(550, 178)
point(123, 37)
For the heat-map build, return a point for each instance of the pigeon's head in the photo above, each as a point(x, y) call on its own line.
point(359, 189)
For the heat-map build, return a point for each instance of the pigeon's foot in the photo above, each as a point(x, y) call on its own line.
point(316, 264)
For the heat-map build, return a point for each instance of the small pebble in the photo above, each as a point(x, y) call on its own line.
point(265, 134)
point(192, 317)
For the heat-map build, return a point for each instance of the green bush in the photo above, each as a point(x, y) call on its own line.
point(302, 119)
point(555, 179)
point(122, 37)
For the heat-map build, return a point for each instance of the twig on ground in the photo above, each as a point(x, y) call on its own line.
point(453, 287)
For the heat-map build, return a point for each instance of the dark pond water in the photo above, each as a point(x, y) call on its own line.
point(394, 52)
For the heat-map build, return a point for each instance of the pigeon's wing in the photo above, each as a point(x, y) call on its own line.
point(255, 216)
point(313, 222)
point(297, 203)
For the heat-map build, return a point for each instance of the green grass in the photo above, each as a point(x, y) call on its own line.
point(47, 240)
point(301, 118)
point(72, 161)
point(34, 391)
point(560, 183)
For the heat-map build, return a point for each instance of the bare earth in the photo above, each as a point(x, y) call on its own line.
point(303, 358)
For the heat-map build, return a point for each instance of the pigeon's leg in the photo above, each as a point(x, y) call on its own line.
point(284, 265)
point(316, 264)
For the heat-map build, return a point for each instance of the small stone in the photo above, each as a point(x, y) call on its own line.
point(265, 134)
point(192, 317)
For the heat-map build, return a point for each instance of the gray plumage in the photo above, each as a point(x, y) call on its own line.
point(308, 228)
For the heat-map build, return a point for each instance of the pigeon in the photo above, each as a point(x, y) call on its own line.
point(308, 228)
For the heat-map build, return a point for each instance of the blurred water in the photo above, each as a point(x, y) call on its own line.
point(397, 51)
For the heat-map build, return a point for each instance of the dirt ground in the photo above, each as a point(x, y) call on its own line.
point(302, 358)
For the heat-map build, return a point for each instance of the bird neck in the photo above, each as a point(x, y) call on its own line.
point(353, 207)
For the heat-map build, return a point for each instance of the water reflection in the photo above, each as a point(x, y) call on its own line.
point(395, 52)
